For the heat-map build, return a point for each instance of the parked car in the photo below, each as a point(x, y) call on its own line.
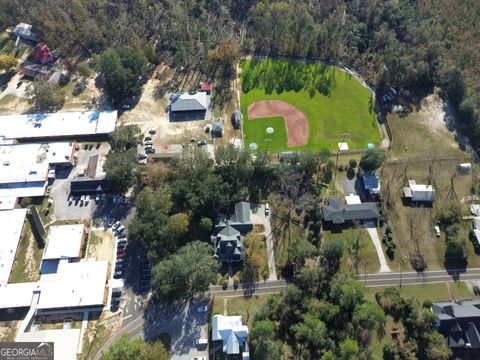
point(82, 200)
point(148, 138)
point(199, 358)
point(122, 241)
point(436, 228)
point(116, 292)
point(115, 301)
point(116, 225)
point(149, 142)
point(150, 150)
point(142, 156)
point(202, 309)
point(152, 131)
point(121, 236)
point(111, 221)
point(201, 342)
point(120, 254)
point(87, 199)
point(121, 246)
point(120, 261)
point(70, 200)
point(120, 229)
point(117, 274)
point(97, 198)
point(119, 267)
point(267, 209)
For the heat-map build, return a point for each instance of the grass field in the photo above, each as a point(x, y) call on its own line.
point(334, 102)
point(245, 306)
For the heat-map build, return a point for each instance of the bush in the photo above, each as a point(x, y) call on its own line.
point(341, 168)
point(418, 262)
point(476, 290)
point(350, 172)
point(352, 163)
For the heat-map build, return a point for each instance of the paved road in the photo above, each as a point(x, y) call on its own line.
point(410, 278)
point(258, 288)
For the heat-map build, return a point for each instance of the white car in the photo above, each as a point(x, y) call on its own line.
point(87, 199)
point(436, 228)
point(120, 229)
point(267, 209)
point(202, 309)
point(199, 358)
point(116, 225)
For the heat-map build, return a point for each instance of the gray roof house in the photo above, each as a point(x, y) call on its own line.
point(459, 323)
point(189, 106)
point(227, 237)
point(338, 212)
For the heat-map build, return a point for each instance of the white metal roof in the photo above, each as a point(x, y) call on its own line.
point(11, 225)
point(65, 341)
point(421, 192)
point(352, 199)
point(64, 241)
point(57, 124)
point(230, 330)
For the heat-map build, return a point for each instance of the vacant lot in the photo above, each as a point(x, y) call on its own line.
point(27, 262)
point(335, 103)
point(358, 250)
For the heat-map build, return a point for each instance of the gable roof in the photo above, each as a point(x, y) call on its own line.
point(229, 245)
point(230, 331)
point(459, 323)
point(189, 102)
point(338, 212)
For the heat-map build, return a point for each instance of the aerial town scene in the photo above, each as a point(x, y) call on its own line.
point(236, 180)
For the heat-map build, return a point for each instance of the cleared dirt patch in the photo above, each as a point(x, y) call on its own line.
point(295, 120)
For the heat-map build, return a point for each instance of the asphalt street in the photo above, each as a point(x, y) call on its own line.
point(427, 277)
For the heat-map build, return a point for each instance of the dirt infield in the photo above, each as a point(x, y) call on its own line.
point(295, 120)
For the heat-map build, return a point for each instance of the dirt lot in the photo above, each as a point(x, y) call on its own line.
point(425, 150)
point(101, 245)
point(27, 262)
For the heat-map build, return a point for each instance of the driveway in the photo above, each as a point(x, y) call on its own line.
point(372, 231)
point(257, 216)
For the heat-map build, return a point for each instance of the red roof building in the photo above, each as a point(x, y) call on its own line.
point(207, 87)
point(43, 54)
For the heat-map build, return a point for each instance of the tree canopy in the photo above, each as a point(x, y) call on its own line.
point(125, 138)
point(121, 70)
point(372, 160)
point(45, 96)
point(120, 170)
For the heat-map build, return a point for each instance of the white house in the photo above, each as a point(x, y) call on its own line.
point(419, 193)
point(230, 331)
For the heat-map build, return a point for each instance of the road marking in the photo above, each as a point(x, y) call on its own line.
point(128, 316)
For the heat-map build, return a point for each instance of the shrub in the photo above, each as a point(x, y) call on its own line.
point(352, 163)
point(418, 262)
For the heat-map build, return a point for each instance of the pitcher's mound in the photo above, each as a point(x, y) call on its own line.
point(295, 120)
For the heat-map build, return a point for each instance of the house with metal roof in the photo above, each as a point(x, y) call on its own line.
point(24, 31)
point(418, 193)
point(217, 128)
point(228, 233)
point(338, 212)
point(459, 323)
point(371, 182)
point(189, 106)
point(231, 331)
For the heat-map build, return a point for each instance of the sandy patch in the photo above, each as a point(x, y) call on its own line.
point(295, 120)
point(103, 248)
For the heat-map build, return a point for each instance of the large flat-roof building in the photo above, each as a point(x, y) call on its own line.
point(64, 241)
point(11, 225)
point(24, 168)
point(70, 125)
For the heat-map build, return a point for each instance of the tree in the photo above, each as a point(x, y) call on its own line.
point(137, 349)
point(436, 349)
point(45, 96)
point(348, 349)
point(454, 250)
point(369, 316)
point(311, 332)
point(264, 347)
point(7, 62)
point(372, 160)
point(179, 224)
point(125, 138)
point(121, 70)
point(299, 251)
point(120, 170)
point(332, 252)
point(189, 271)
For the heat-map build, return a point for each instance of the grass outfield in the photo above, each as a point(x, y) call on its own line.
point(333, 101)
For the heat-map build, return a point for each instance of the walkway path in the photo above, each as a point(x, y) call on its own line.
point(372, 231)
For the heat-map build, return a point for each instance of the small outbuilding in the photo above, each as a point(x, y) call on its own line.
point(206, 87)
point(43, 55)
point(418, 193)
point(464, 168)
point(24, 32)
point(217, 128)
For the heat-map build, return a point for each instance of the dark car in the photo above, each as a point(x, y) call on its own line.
point(115, 301)
point(120, 254)
point(117, 274)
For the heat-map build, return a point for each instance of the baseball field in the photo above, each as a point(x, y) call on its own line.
point(308, 106)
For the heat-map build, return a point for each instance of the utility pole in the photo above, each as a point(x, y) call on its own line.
point(365, 280)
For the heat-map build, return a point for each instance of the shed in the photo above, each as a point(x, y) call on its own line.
point(217, 128)
point(43, 54)
point(206, 87)
point(419, 193)
point(464, 168)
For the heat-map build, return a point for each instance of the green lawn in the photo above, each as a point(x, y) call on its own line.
point(276, 142)
point(367, 255)
point(245, 306)
point(421, 292)
point(334, 102)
